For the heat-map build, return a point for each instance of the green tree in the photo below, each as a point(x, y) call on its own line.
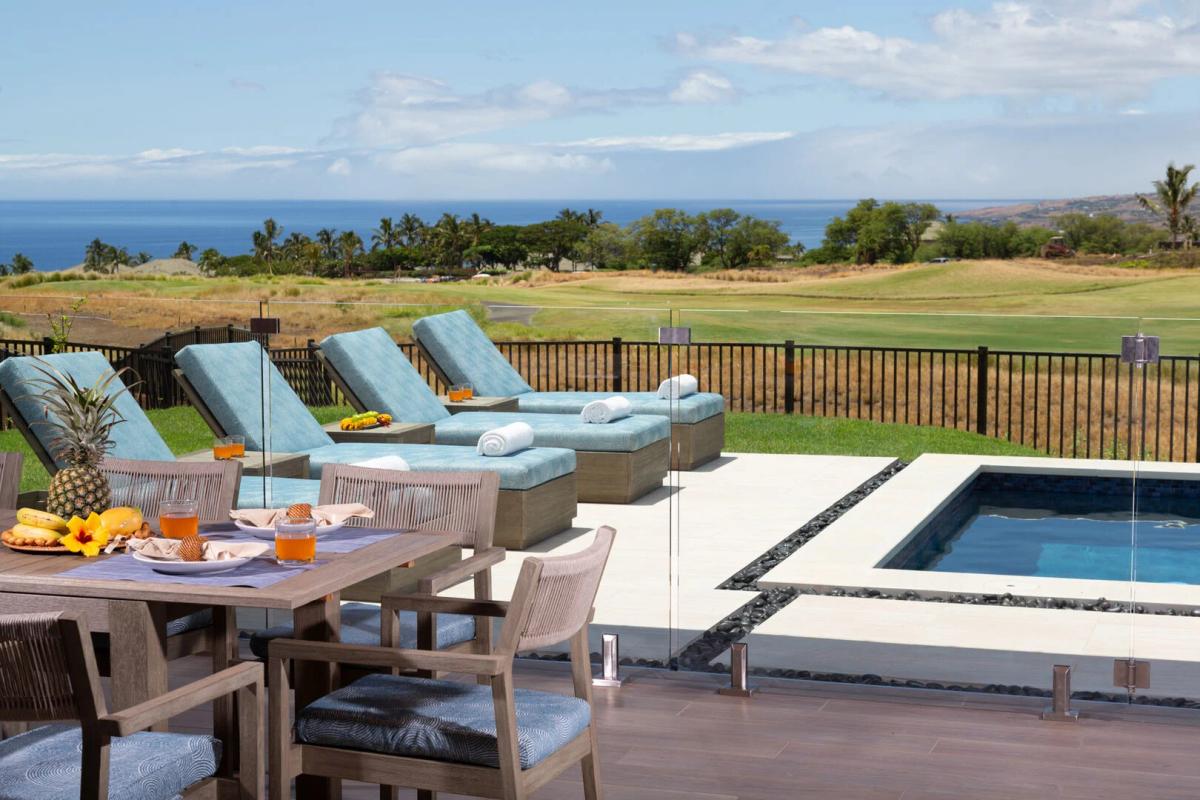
point(266, 247)
point(607, 246)
point(349, 245)
point(412, 230)
point(667, 239)
point(716, 230)
point(327, 238)
point(500, 246)
point(21, 264)
point(94, 256)
point(211, 261)
point(294, 246)
point(1171, 200)
point(449, 240)
point(917, 219)
point(386, 235)
point(475, 227)
point(185, 250)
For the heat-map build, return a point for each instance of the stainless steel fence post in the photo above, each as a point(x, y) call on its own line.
point(739, 667)
point(1060, 709)
point(610, 662)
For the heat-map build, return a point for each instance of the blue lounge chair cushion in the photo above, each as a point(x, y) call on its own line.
point(441, 720)
point(45, 764)
point(230, 378)
point(382, 378)
point(134, 438)
point(360, 626)
point(467, 355)
point(687, 410)
point(522, 470)
point(284, 492)
point(558, 430)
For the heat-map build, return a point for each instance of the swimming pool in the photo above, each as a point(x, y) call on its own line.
point(1062, 526)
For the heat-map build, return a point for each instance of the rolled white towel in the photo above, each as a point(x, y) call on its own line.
point(505, 440)
point(607, 410)
point(385, 462)
point(678, 386)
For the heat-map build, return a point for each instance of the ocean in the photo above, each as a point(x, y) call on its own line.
point(54, 233)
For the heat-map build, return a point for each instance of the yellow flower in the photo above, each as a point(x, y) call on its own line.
point(86, 536)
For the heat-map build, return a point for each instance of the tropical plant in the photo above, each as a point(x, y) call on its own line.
point(294, 245)
point(80, 420)
point(449, 240)
point(266, 249)
point(1171, 200)
point(412, 230)
point(94, 255)
point(668, 239)
point(21, 264)
point(60, 326)
point(349, 245)
point(185, 250)
point(326, 238)
point(475, 227)
point(386, 235)
point(211, 261)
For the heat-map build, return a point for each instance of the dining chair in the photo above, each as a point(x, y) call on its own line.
point(461, 505)
point(437, 735)
point(144, 484)
point(10, 478)
point(48, 674)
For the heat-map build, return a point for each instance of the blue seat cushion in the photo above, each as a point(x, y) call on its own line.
point(231, 379)
point(691, 409)
point(45, 764)
point(134, 438)
point(465, 353)
point(360, 626)
point(283, 491)
point(381, 377)
point(522, 470)
point(558, 430)
point(441, 720)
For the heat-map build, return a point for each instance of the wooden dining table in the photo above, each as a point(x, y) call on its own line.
point(135, 614)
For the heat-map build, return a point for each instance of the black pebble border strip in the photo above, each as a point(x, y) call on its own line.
point(698, 656)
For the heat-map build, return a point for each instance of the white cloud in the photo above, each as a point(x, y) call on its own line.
point(1109, 50)
point(171, 161)
point(339, 166)
point(460, 156)
point(685, 142)
point(703, 87)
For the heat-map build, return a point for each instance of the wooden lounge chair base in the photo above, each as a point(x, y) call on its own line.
point(606, 477)
point(526, 517)
point(696, 443)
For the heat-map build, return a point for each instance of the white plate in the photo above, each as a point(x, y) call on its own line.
point(269, 533)
point(191, 567)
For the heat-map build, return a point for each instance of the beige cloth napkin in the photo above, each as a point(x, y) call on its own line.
point(324, 515)
point(168, 549)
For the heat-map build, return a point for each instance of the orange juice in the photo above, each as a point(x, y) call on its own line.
point(178, 527)
point(468, 392)
point(296, 548)
point(238, 449)
point(224, 452)
point(457, 395)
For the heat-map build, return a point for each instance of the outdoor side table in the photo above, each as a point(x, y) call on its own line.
point(283, 465)
point(506, 404)
point(396, 433)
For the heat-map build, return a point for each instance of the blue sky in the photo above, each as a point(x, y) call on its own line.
point(925, 98)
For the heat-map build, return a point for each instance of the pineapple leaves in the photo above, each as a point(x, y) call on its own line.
point(81, 418)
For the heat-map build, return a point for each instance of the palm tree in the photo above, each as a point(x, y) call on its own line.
point(593, 217)
point(185, 250)
point(412, 230)
point(265, 248)
point(569, 215)
point(475, 227)
point(210, 261)
point(349, 244)
point(94, 255)
point(294, 244)
point(1172, 198)
point(386, 235)
point(325, 237)
point(21, 264)
point(449, 240)
point(311, 256)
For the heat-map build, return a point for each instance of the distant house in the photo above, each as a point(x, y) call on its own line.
point(933, 232)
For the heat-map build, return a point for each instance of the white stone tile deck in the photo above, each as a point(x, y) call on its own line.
point(725, 515)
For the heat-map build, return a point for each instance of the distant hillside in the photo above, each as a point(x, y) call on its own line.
point(1043, 212)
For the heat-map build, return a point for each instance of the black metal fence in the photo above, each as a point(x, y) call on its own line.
point(1079, 405)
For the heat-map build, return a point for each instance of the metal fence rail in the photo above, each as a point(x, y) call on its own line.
point(1077, 405)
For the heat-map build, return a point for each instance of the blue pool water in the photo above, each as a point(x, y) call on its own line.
point(1063, 527)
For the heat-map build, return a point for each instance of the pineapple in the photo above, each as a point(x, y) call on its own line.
point(82, 420)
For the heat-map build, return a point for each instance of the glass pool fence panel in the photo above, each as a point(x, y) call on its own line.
point(580, 352)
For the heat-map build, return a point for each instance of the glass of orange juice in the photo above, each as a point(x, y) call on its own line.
point(237, 446)
point(458, 393)
point(178, 519)
point(295, 542)
point(468, 391)
point(222, 449)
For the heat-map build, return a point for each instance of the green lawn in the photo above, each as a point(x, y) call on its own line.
point(184, 431)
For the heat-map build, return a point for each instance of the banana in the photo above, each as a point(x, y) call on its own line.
point(34, 535)
point(36, 518)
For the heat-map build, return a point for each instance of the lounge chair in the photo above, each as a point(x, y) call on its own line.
point(616, 462)
point(134, 439)
point(460, 352)
point(537, 485)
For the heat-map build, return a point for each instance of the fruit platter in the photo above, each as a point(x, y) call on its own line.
point(365, 421)
point(38, 531)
